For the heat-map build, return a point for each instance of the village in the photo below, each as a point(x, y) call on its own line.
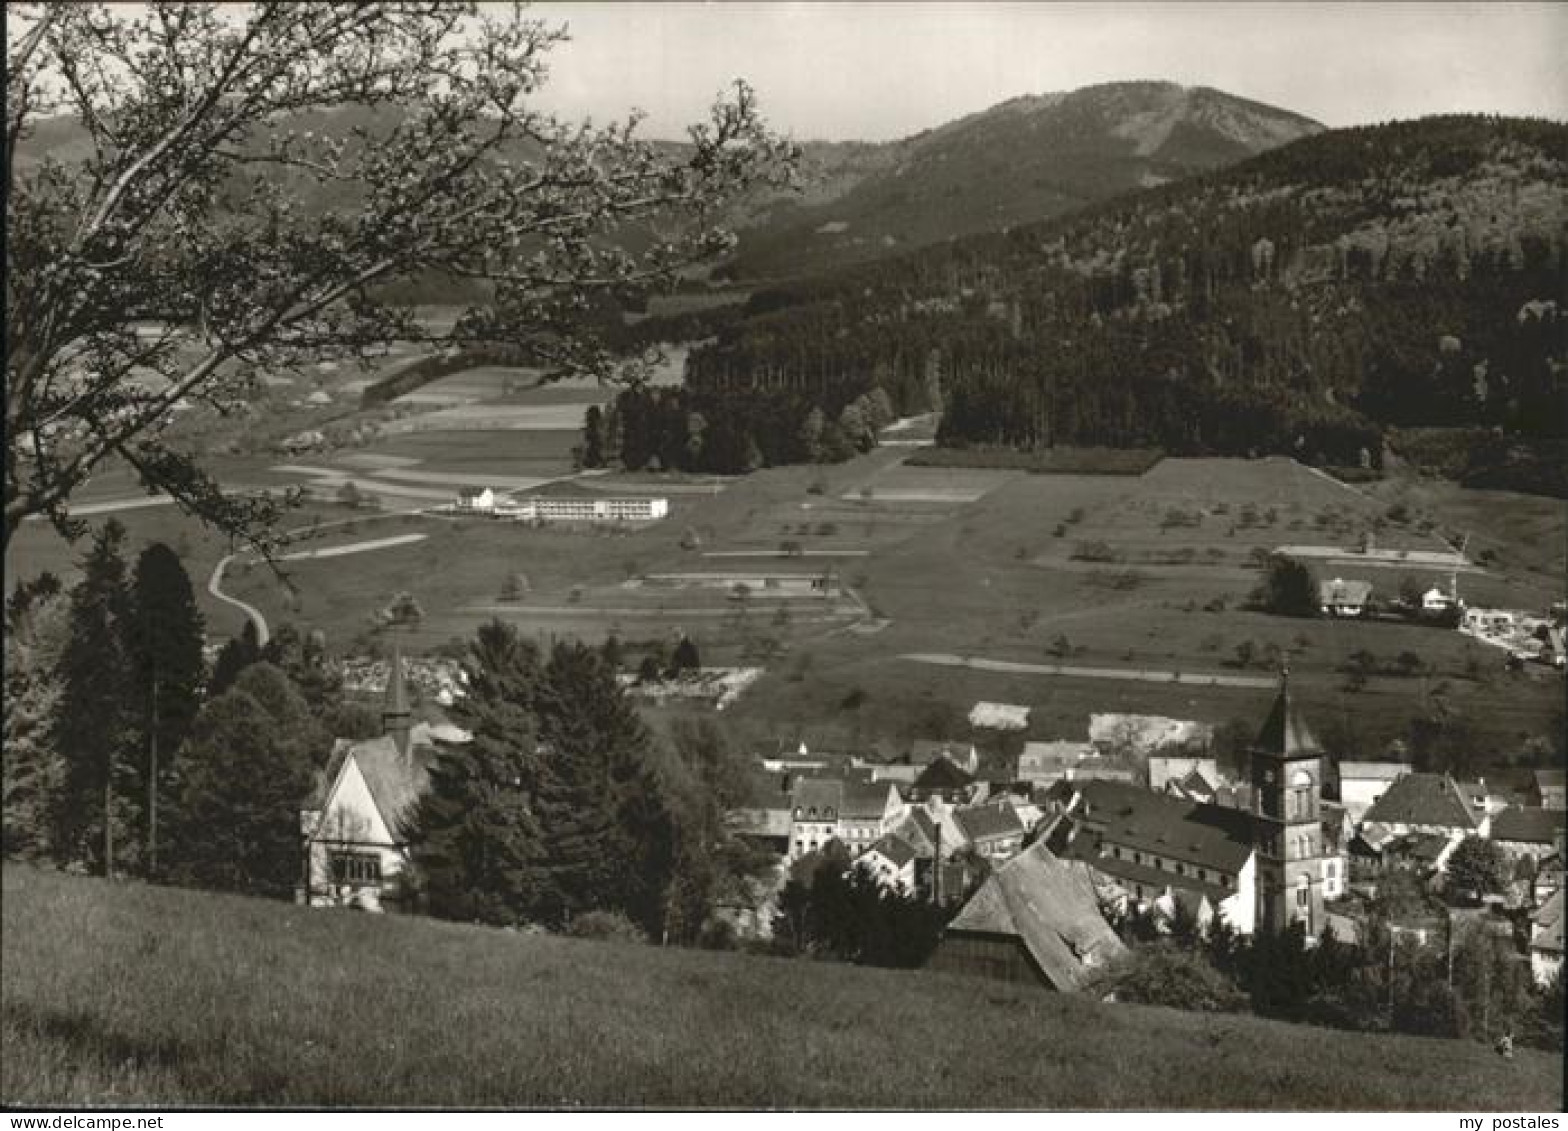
point(1034, 856)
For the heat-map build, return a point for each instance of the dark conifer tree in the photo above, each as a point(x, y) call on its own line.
point(234, 657)
point(247, 768)
point(476, 833)
point(92, 725)
point(163, 641)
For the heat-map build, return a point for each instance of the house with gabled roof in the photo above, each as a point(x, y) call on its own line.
point(1035, 920)
point(1425, 803)
point(1341, 598)
point(891, 862)
point(993, 829)
point(1362, 783)
point(354, 822)
point(942, 779)
point(1533, 833)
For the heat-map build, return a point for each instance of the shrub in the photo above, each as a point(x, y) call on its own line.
point(1095, 552)
point(1163, 974)
point(605, 926)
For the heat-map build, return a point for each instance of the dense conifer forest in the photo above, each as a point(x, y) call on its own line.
point(1407, 275)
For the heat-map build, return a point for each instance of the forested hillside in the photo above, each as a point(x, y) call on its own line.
point(1019, 162)
point(1407, 274)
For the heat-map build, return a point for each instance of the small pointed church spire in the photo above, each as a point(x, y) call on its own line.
point(396, 717)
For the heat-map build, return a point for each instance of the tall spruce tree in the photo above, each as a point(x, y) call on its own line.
point(163, 643)
point(92, 725)
point(475, 832)
point(247, 766)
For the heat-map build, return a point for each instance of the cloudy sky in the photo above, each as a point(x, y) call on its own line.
point(875, 71)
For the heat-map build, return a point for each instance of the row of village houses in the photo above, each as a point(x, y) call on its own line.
point(1069, 834)
point(1272, 848)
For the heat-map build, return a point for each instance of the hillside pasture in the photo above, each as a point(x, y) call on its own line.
point(1097, 571)
point(258, 1003)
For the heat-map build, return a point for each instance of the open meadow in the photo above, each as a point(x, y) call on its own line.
point(253, 1002)
point(1148, 575)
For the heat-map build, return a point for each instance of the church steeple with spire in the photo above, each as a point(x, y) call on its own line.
point(1287, 789)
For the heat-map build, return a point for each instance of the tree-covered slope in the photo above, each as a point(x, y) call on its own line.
point(1408, 274)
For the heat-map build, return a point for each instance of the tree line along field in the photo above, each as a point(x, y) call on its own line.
point(251, 1001)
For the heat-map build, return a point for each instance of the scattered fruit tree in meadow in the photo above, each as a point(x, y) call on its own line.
point(252, 183)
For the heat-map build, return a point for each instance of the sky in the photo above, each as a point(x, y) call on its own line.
point(877, 71)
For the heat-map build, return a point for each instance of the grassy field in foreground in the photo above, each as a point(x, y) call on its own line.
point(134, 995)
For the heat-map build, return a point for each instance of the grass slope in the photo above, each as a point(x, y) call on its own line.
point(132, 995)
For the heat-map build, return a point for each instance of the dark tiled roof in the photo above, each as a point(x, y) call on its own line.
point(943, 774)
point(819, 795)
point(917, 830)
point(897, 850)
point(1210, 836)
point(1098, 855)
point(1535, 826)
point(1195, 784)
point(865, 799)
point(984, 822)
point(1050, 906)
point(1551, 779)
point(1422, 799)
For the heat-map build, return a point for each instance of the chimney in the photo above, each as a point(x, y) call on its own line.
point(396, 718)
point(936, 868)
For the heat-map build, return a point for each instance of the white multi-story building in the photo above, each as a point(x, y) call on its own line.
point(586, 510)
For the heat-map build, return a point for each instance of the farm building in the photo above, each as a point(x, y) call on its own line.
point(1035, 920)
point(476, 500)
point(1340, 598)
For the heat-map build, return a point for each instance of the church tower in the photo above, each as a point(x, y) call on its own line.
point(1287, 788)
point(397, 720)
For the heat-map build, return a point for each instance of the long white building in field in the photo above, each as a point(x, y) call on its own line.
point(572, 509)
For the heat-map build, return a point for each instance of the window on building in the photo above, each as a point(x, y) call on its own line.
point(1181, 869)
point(358, 869)
point(1303, 892)
point(1203, 875)
point(1137, 858)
